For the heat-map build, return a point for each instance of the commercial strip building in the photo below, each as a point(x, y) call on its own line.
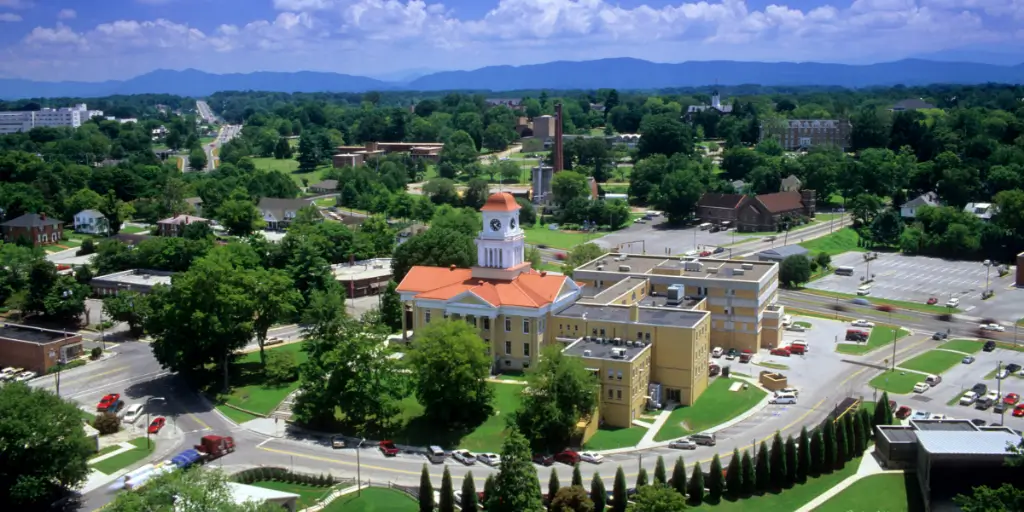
point(949, 457)
point(644, 325)
point(35, 348)
point(351, 156)
point(135, 280)
point(23, 121)
point(362, 278)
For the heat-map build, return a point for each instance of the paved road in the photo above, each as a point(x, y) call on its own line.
point(206, 112)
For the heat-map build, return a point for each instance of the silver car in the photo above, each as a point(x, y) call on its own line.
point(683, 444)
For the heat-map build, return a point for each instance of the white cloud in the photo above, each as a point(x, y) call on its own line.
point(60, 35)
point(67, 14)
point(16, 4)
point(9, 17)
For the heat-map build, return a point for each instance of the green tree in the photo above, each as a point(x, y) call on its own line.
point(497, 137)
point(190, 490)
point(434, 247)
point(569, 185)
point(817, 452)
point(127, 306)
point(716, 481)
point(469, 499)
point(451, 364)
point(795, 270)
point(830, 448)
point(44, 446)
point(986, 499)
point(426, 491)
point(571, 499)
point(660, 476)
point(883, 413)
point(749, 474)
point(777, 462)
point(678, 480)
point(553, 486)
point(619, 491)
point(275, 299)
point(489, 483)
point(864, 418)
point(848, 446)
point(641, 478)
point(823, 259)
point(116, 211)
point(309, 152)
point(887, 227)
point(516, 488)
point(695, 489)
point(280, 368)
point(664, 134)
point(657, 498)
point(391, 308)
point(476, 193)
point(598, 494)
point(446, 501)
point(239, 215)
point(197, 159)
point(563, 392)
point(282, 149)
point(803, 464)
point(577, 477)
point(734, 475)
point(762, 469)
point(791, 462)
point(581, 254)
point(527, 213)
point(678, 195)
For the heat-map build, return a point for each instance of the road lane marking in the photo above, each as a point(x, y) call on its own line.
point(339, 462)
point(76, 378)
point(129, 379)
point(199, 421)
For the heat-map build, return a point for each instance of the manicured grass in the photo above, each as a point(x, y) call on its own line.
point(816, 314)
point(249, 388)
point(106, 450)
point(488, 437)
point(123, 460)
point(235, 415)
point(933, 362)
point(133, 230)
point(550, 267)
point(289, 166)
point(374, 499)
point(541, 235)
point(805, 325)
point(715, 406)
point(875, 301)
point(325, 202)
point(788, 499)
point(969, 346)
point(513, 376)
point(898, 382)
point(308, 495)
point(774, 366)
point(844, 240)
point(610, 438)
point(87, 416)
point(877, 492)
point(881, 335)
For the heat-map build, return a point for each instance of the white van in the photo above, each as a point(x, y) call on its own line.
point(864, 290)
point(717, 352)
point(783, 398)
point(133, 413)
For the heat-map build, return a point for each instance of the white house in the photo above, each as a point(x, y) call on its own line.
point(908, 210)
point(278, 213)
point(91, 222)
point(983, 211)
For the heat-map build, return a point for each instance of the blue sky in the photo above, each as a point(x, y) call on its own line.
point(115, 39)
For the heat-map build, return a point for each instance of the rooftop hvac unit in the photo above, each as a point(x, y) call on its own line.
point(617, 341)
point(624, 268)
point(586, 353)
point(692, 266)
point(618, 353)
point(737, 272)
point(675, 294)
point(600, 267)
point(603, 340)
point(748, 266)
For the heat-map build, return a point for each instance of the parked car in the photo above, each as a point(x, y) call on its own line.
point(791, 391)
point(921, 415)
point(491, 459)
point(543, 460)
point(338, 442)
point(969, 398)
point(132, 414)
point(932, 301)
point(989, 346)
point(591, 457)
point(952, 303)
point(797, 349)
point(921, 387)
point(1018, 411)
point(107, 401)
point(967, 360)
point(939, 335)
point(1011, 399)
point(796, 328)
point(464, 456)
point(717, 352)
point(157, 424)
point(983, 403)
point(980, 388)
point(25, 375)
point(862, 323)
point(992, 395)
point(714, 369)
point(1001, 406)
point(746, 356)
point(388, 448)
point(1013, 367)
point(1002, 374)
point(781, 351)
point(783, 399)
point(903, 412)
point(733, 353)
point(569, 457)
point(683, 444)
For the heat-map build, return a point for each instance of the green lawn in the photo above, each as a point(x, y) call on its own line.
point(325, 202)
point(541, 235)
point(235, 415)
point(877, 492)
point(374, 499)
point(774, 366)
point(249, 389)
point(969, 346)
point(715, 406)
point(133, 230)
point(896, 382)
point(106, 450)
point(841, 241)
point(913, 306)
point(933, 362)
point(788, 499)
point(881, 335)
point(289, 166)
point(551, 267)
point(123, 460)
point(610, 438)
point(308, 495)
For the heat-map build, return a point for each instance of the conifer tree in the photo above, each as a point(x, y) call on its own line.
point(762, 469)
point(749, 475)
point(553, 486)
point(842, 443)
point(488, 487)
point(619, 491)
point(446, 500)
point(426, 491)
point(597, 493)
point(678, 481)
point(695, 490)
point(469, 498)
point(734, 476)
point(716, 482)
point(777, 461)
point(577, 477)
point(791, 461)
point(869, 433)
point(659, 472)
point(641, 478)
point(829, 448)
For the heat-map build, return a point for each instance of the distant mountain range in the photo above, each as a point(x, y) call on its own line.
point(624, 73)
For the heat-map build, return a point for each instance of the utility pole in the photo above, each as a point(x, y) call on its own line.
point(999, 387)
point(894, 329)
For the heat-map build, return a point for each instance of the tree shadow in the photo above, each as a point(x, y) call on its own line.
point(915, 500)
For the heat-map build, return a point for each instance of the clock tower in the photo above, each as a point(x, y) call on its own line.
point(501, 244)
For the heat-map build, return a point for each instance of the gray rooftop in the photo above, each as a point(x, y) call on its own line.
point(31, 220)
point(672, 317)
point(607, 293)
point(135, 278)
point(781, 253)
point(583, 347)
point(32, 334)
point(899, 434)
point(967, 443)
point(943, 425)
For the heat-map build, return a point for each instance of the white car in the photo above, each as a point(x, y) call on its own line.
point(782, 399)
point(993, 327)
point(591, 457)
point(992, 395)
point(133, 413)
point(464, 456)
point(9, 372)
point(717, 352)
point(788, 391)
point(862, 323)
point(23, 376)
point(921, 387)
point(491, 459)
point(683, 444)
point(1002, 374)
point(952, 303)
point(969, 398)
point(796, 328)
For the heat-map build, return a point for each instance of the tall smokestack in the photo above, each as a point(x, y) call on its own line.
point(558, 160)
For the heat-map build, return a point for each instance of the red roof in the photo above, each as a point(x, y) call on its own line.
point(500, 202)
point(781, 202)
point(530, 289)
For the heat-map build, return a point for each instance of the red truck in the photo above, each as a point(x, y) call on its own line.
point(388, 448)
point(209, 448)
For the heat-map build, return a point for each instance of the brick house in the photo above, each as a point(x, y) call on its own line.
point(37, 349)
point(756, 213)
point(175, 226)
point(794, 134)
point(36, 228)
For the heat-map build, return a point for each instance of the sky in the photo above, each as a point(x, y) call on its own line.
point(91, 40)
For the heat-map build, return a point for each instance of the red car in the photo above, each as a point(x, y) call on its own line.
point(1018, 411)
point(885, 308)
point(108, 401)
point(892, 405)
point(1011, 399)
point(903, 412)
point(156, 425)
point(568, 457)
point(543, 460)
point(932, 301)
point(388, 448)
point(781, 351)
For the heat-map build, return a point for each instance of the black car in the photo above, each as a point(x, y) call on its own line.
point(1000, 407)
point(980, 389)
point(989, 346)
point(939, 336)
point(1013, 367)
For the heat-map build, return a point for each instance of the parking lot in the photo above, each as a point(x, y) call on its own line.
point(658, 238)
point(918, 278)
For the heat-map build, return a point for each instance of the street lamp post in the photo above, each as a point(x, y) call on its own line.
point(988, 270)
point(893, 341)
point(359, 467)
point(148, 400)
point(999, 387)
point(60, 363)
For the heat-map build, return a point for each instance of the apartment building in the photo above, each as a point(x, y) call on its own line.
point(23, 121)
point(794, 134)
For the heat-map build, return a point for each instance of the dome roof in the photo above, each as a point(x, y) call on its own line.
point(500, 202)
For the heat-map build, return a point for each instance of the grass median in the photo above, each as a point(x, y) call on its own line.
point(250, 389)
point(968, 346)
point(898, 382)
point(881, 335)
point(878, 492)
point(123, 460)
point(611, 438)
point(933, 362)
point(843, 240)
point(715, 406)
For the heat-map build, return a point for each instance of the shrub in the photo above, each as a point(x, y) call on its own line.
point(88, 247)
point(107, 423)
point(95, 353)
point(281, 368)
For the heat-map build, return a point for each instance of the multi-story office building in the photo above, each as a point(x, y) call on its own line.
point(644, 325)
point(23, 121)
point(794, 134)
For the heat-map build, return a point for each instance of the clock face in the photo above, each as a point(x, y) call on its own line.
point(512, 224)
point(495, 224)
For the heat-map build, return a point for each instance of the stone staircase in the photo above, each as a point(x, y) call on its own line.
point(284, 409)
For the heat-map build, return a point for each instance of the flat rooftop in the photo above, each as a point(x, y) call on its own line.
point(707, 268)
point(943, 425)
point(607, 293)
point(899, 434)
point(583, 347)
point(136, 277)
point(967, 443)
point(672, 317)
point(370, 269)
point(30, 334)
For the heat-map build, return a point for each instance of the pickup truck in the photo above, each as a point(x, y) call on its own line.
point(388, 448)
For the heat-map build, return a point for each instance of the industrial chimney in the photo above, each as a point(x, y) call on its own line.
point(558, 159)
